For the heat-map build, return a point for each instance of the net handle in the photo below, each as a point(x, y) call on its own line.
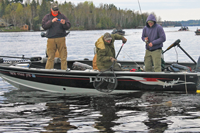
point(119, 50)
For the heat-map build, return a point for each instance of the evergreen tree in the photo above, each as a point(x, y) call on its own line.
point(2, 8)
point(3, 4)
point(34, 13)
point(44, 9)
point(7, 2)
point(83, 16)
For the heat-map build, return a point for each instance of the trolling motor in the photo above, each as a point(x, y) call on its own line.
point(173, 45)
point(177, 43)
point(1, 60)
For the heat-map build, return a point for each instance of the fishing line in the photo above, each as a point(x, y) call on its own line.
point(131, 59)
point(176, 54)
point(134, 61)
point(185, 83)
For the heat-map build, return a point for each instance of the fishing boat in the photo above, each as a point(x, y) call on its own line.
point(30, 74)
point(118, 31)
point(184, 29)
point(197, 32)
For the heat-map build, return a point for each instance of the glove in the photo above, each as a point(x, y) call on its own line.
point(124, 40)
point(112, 59)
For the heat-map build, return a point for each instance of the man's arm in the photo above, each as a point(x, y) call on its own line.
point(119, 37)
point(46, 24)
point(143, 35)
point(161, 37)
point(67, 24)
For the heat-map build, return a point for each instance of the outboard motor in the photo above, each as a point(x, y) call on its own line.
point(1, 60)
point(198, 65)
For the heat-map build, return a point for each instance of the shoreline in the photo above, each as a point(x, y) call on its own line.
point(66, 30)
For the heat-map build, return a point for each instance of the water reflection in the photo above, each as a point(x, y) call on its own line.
point(106, 106)
point(38, 111)
point(59, 114)
point(156, 109)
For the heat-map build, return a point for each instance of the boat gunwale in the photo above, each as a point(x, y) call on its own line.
point(87, 71)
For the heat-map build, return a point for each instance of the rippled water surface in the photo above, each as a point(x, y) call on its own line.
point(152, 112)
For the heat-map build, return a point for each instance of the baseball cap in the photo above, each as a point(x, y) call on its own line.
point(54, 6)
point(107, 36)
point(150, 21)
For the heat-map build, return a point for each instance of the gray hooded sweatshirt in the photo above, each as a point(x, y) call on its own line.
point(155, 34)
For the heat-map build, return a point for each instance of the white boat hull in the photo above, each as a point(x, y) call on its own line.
point(30, 86)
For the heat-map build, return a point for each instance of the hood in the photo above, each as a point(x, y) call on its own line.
point(151, 17)
point(100, 43)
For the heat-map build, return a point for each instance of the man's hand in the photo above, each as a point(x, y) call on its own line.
point(124, 40)
point(62, 21)
point(150, 44)
point(112, 59)
point(54, 19)
point(146, 39)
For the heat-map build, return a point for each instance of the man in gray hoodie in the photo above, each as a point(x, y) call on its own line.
point(154, 36)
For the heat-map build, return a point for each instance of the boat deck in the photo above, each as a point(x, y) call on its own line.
point(87, 64)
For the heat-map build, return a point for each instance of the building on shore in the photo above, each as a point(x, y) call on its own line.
point(3, 23)
point(25, 27)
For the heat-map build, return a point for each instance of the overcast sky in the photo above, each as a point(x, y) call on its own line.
point(169, 10)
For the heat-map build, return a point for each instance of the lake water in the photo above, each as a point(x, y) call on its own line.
point(152, 112)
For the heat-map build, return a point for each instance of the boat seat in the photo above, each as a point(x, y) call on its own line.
point(81, 66)
point(178, 68)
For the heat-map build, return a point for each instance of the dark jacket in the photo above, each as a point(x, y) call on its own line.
point(105, 50)
point(155, 34)
point(56, 29)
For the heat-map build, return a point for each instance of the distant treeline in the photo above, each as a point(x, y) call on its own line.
point(190, 23)
point(171, 23)
point(181, 23)
point(82, 16)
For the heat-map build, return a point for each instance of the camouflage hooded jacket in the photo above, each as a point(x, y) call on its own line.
point(105, 50)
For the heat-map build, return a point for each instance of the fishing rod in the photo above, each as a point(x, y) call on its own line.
point(23, 57)
point(119, 51)
point(140, 11)
point(15, 57)
point(140, 7)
